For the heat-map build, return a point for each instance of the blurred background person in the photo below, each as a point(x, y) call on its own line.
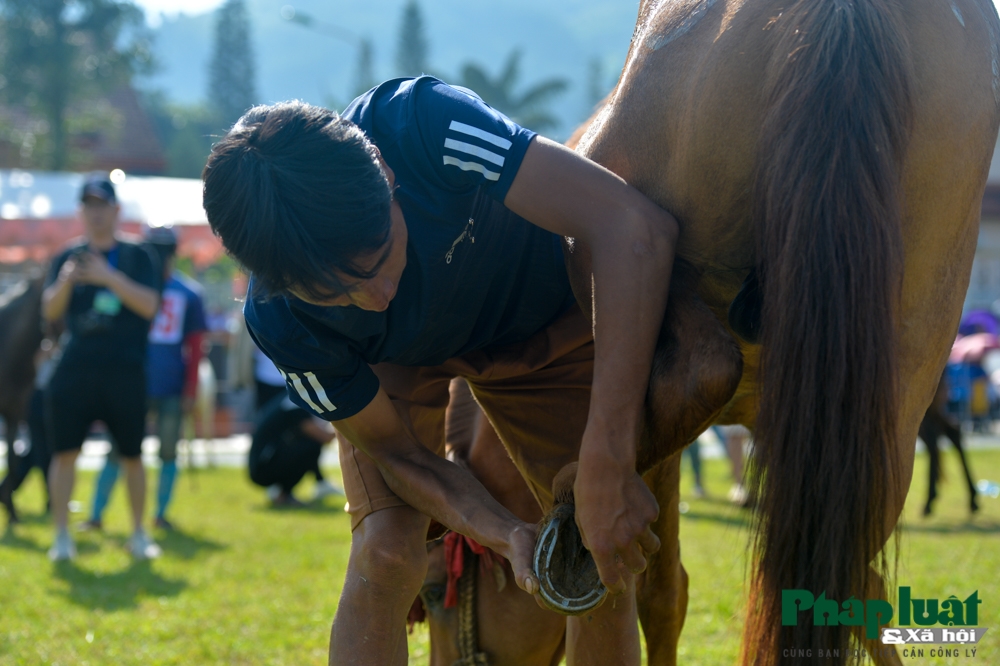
point(174, 352)
point(268, 381)
point(107, 289)
point(287, 443)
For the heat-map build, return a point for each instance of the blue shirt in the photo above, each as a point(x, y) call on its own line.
point(181, 313)
point(476, 276)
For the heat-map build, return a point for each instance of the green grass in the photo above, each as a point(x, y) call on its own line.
point(243, 584)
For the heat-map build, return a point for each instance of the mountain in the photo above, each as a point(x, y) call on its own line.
point(558, 39)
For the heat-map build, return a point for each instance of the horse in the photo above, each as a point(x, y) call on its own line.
point(937, 422)
point(826, 162)
point(484, 619)
point(21, 335)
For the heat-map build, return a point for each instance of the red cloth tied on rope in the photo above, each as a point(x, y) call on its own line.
point(417, 613)
point(454, 557)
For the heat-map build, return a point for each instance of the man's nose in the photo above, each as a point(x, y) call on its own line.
point(379, 296)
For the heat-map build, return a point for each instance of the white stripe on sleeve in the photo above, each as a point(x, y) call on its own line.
point(471, 166)
point(301, 390)
point(464, 147)
point(320, 391)
point(498, 141)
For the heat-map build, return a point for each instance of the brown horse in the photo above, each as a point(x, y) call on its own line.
point(826, 160)
point(20, 337)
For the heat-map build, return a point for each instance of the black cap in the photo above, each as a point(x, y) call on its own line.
point(160, 235)
point(98, 187)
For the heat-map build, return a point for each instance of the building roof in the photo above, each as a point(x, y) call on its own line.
point(38, 212)
point(126, 141)
point(130, 143)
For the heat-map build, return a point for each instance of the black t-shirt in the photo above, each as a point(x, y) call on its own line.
point(103, 332)
point(476, 275)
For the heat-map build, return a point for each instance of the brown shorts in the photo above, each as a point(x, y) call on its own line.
point(535, 393)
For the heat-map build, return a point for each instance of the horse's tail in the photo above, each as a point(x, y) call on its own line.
point(828, 221)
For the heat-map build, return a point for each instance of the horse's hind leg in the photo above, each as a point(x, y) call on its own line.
point(930, 433)
point(953, 433)
point(13, 463)
point(662, 589)
point(696, 370)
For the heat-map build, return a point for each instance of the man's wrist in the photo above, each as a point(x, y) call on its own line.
point(608, 442)
point(114, 281)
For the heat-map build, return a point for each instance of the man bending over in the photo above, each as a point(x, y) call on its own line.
point(414, 239)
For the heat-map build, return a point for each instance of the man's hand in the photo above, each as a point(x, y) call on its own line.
point(439, 488)
point(94, 269)
point(68, 272)
point(520, 553)
point(614, 511)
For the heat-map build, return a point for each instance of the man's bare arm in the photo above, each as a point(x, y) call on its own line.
point(438, 488)
point(632, 241)
point(56, 297)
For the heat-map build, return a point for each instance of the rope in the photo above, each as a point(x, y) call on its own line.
point(468, 630)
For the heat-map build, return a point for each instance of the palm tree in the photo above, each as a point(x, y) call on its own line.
point(527, 109)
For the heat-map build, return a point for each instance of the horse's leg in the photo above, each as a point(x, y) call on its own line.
point(13, 463)
point(930, 433)
point(696, 370)
point(953, 433)
point(662, 590)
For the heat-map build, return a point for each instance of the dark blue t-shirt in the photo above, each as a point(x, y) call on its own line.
point(181, 313)
point(476, 276)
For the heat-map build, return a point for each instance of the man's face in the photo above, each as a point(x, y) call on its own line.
point(99, 216)
point(375, 293)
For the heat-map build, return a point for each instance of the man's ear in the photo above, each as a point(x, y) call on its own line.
point(389, 175)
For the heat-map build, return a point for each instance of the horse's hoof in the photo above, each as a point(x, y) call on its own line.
point(566, 572)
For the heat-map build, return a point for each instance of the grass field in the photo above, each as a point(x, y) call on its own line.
point(241, 583)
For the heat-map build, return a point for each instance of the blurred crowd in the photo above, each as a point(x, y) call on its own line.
point(127, 348)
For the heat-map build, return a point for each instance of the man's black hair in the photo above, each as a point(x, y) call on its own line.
point(297, 195)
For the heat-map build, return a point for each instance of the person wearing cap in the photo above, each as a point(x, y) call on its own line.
point(175, 349)
point(106, 287)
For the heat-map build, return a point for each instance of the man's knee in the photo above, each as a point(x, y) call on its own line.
point(389, 549)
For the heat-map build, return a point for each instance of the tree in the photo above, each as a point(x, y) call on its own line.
point(411, 56)
point(186, 132)
point(231, 82)
point(364, 74)
point(60, 54)
point(598, 86)
point(527, 109)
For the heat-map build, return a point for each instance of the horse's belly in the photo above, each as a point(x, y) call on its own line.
point(683, 127)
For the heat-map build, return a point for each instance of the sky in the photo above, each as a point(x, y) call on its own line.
point(154, 8)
